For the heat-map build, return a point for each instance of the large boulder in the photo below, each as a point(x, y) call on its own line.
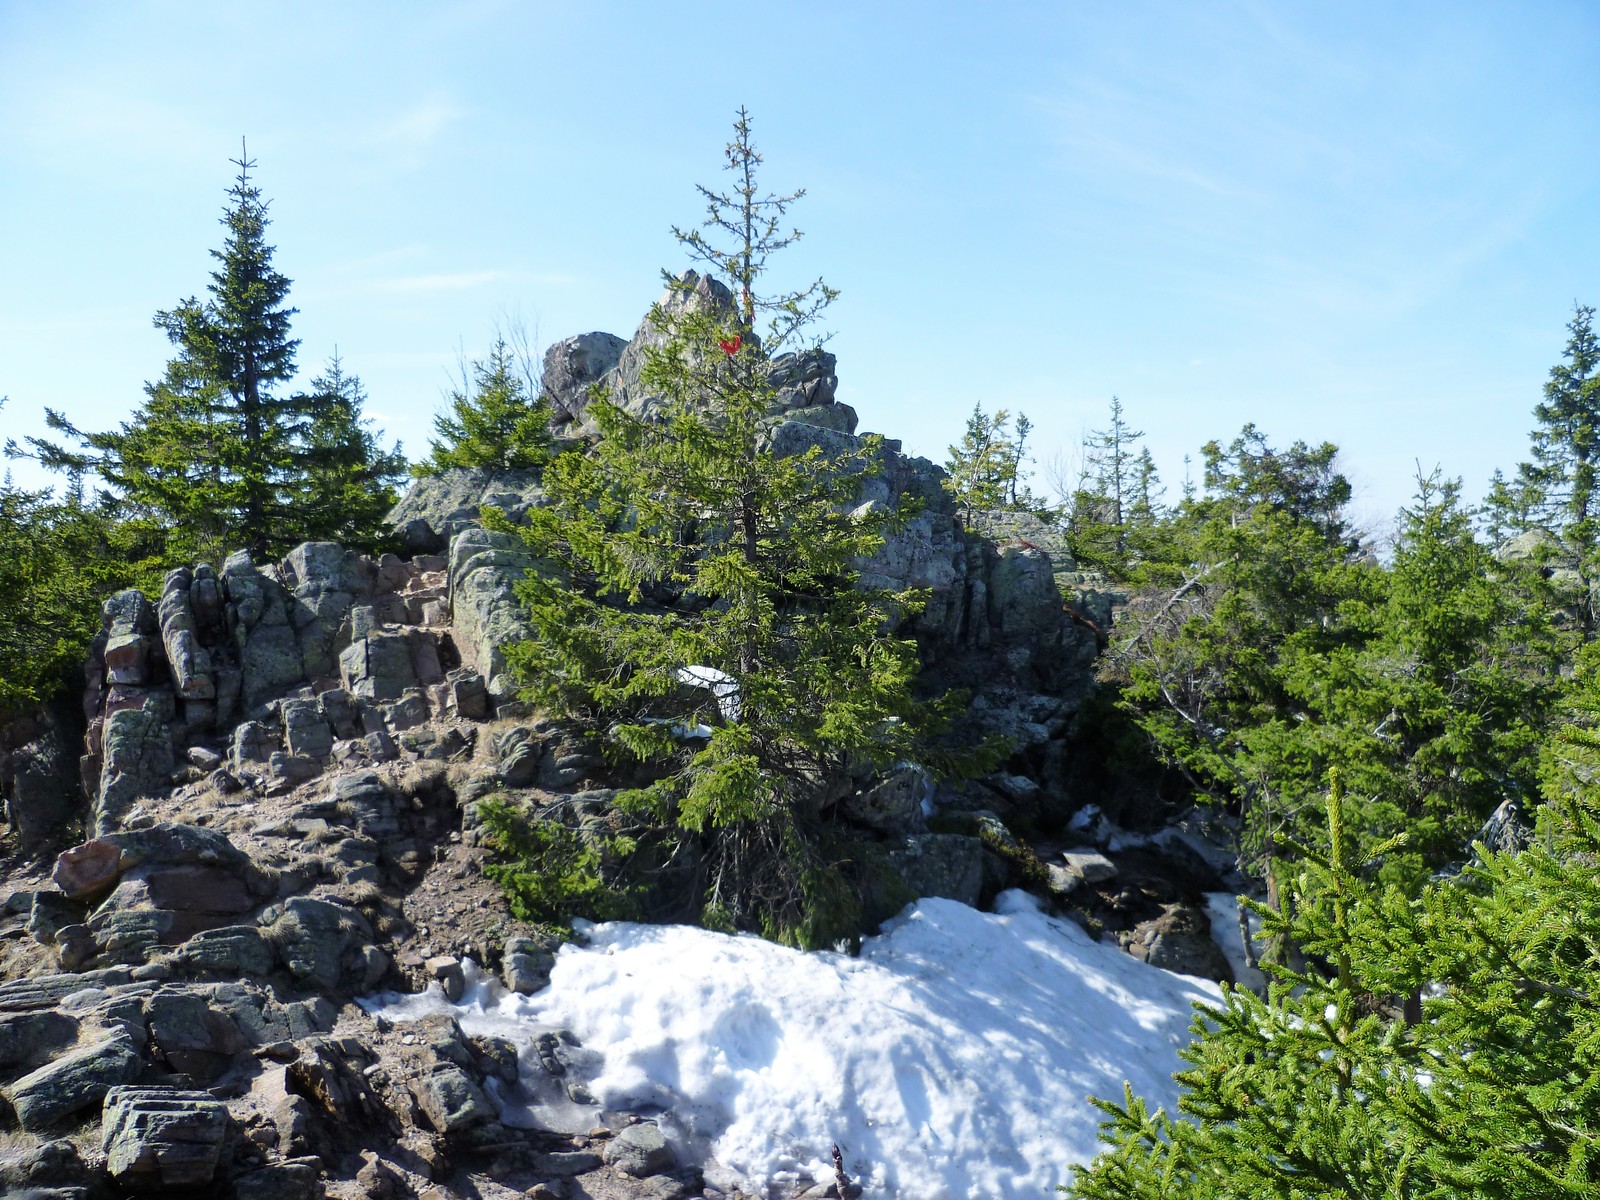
point(156, 1138)
point(137, 760)
point(572, 367)
point(322, 943)
point(74, 1082)
point(437, 507)
point(325, 582)
point(624, 383)
point(44, 784)
point(942, 864)
point(184, 640)
point(264, 640)
point(485, 567)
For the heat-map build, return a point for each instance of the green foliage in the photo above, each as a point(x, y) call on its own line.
point(496, 419)
point(349, 480)
point(1555, 494)
point(552, 872)
point(984, 471)
point(1325, 1089)
point(1113, 512)
point(682, 545)
point(1273, 651)
point(58, 559)
point(216, 455)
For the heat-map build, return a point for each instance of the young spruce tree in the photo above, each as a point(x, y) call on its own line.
point(700, 601)
point(496, 419)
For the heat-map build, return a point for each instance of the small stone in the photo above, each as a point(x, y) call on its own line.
point(447, 970)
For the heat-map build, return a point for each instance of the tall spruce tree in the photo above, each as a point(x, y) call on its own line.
point(220, 453)
point(984, 471)
point(700, 601)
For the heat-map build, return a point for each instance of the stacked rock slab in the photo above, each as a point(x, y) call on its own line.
point(163, 1137)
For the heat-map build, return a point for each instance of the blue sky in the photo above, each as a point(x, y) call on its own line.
point(1365, 223)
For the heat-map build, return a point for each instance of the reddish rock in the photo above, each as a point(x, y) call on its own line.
point(88, 869)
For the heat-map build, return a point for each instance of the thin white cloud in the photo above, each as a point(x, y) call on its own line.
point(417, 129)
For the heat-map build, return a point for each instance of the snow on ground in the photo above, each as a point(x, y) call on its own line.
point(1222, 908)
point(953, 1059)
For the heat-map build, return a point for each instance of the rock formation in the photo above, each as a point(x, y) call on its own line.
point(277, 795)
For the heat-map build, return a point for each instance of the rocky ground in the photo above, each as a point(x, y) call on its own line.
point(273, 811)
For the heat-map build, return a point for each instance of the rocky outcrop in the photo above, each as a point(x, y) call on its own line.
point(572, 367)
point(437, 507)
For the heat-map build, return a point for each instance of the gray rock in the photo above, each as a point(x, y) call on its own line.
point(138, 760)
point(44, 785)
point(469, 697)
point(519, 751)
point(452, 1101)
point(340, 712)
point(894, 805)
point(563, 1164)
point(130, 627)
point(1024, 602)
point(31, 1037)
point(73, 1082)
point(325, 580)
point(1089, 865)
point(297, 1180)
point(163, 1137)
point(446, 970)
point(187, 1030)
point(1180, 941)
point(942, 864)
point(573, 366)
point(624, 383)
point(804, 380)
point(187, 659)
point(438, 507)
point(258, 614)
point(378, 667)
point(306, 732)
point(51, 911)
point(526, 965)
point(639, 1150)
point(485, 568)
point(229, 950)
point(321, 943)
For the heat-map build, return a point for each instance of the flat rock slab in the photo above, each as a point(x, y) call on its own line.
point(73, 1082)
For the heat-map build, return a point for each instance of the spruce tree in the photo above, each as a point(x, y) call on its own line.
point(496, 418)
point(984, 471)
point(700, 601)
point(349, 481)
point(1329, 1088)
point(1557, 493)
point(220, 454)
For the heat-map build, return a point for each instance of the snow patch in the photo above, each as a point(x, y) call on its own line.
point(953, 1059)
point(1223, 910)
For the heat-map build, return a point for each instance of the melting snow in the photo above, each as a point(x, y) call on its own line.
point(953, 1059)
